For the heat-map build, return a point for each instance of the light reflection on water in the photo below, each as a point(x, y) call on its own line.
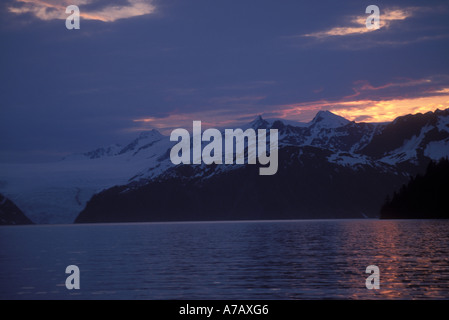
point(232, 260)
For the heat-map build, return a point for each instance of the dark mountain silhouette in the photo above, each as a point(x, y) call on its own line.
point(405, 128)
point(424, 197)
point(10, 214)
point(307, 188)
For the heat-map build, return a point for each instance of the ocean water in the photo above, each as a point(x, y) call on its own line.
point(227, 260)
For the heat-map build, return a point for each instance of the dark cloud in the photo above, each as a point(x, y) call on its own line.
point(69, 91)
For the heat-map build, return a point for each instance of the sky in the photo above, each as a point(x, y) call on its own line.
point(135, 65)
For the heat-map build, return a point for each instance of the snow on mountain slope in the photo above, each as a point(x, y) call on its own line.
point(144, 141)
point(327, 119)
point(348, 159)
point(431, 141)
point(408, 151)
point(95, 154)
point(437, 149)
point(443, 124)
point(56, 192)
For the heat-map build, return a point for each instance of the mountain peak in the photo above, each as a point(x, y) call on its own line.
point(327, 119)
point(259, 123)
point(149, 134)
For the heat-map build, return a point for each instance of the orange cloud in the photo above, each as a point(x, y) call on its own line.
point(388, 110)
point(369, 103)
point(55, 9)
point(357, 24)
point(371, 110)
point(351, 107)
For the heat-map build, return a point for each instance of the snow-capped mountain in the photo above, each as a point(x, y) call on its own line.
point(56, 192)
point(145, 140)
point(328, 147)
point(326, 119)
point(411, 138)
point(330, 168)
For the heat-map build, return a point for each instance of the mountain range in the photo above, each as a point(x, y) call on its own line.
point(328, 168)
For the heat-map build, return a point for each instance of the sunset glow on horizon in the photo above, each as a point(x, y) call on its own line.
point(368, 110)
point(365, 110)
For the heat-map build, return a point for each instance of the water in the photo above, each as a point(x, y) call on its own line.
point(227, 260)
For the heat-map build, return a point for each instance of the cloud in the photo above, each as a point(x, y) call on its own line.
point(388, 110)
point(367, 110)
point(398, 27)
point(106, 11)
point(221, 113)
point(357, 24)
point(378, 103)
point(217, 118)
point(369, 103)
point(404, 87)
point(236, 100)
